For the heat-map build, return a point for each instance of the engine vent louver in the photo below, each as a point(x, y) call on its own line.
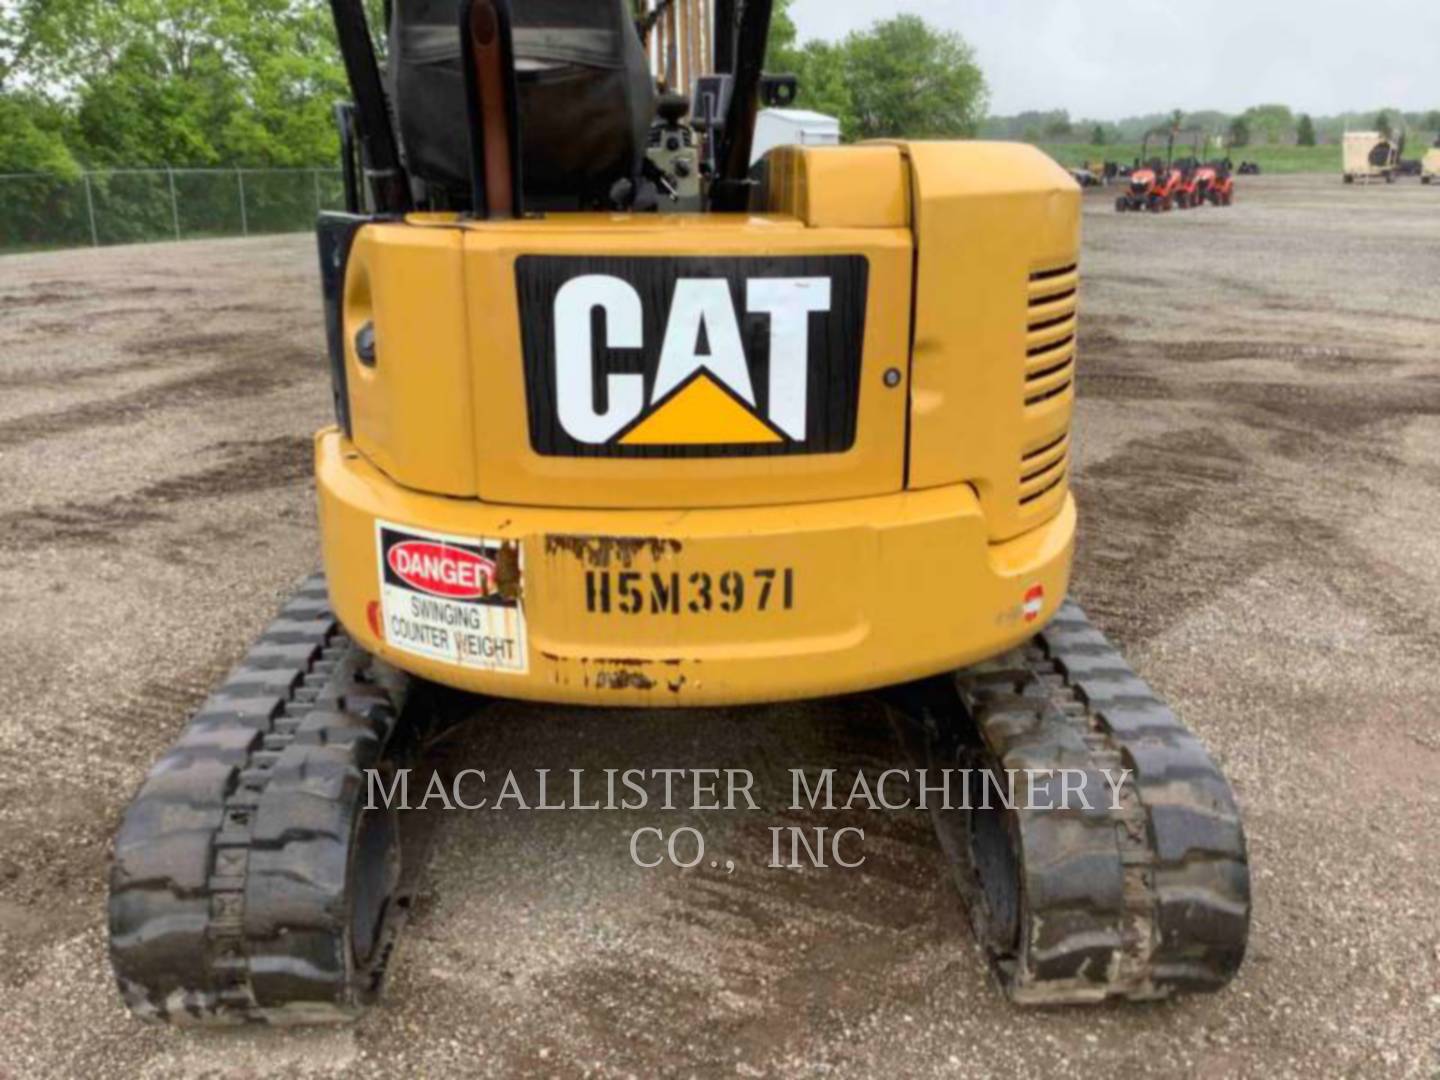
point(1050, 340)
point(1044, 469)
point(1049, 389)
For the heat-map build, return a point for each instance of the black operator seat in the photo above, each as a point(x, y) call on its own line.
point(587, 98)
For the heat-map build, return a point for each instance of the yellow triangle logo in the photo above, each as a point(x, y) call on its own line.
point(700, 413)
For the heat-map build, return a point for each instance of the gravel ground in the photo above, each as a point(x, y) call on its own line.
point(1259, 440)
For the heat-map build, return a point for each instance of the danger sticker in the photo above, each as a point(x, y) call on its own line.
point(1034, 602)
point(453, 599)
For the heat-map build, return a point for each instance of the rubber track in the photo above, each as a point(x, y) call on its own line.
point(228, 888)
point(1137, 902)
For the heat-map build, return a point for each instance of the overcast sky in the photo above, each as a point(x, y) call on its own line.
point(1105, 59)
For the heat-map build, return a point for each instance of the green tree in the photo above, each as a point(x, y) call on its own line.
point(899, 77)
point(819, 67)
point(780, 49)
point(1207, 120)
point(1177, 118)
point(1383, 125)
point(33, 34)
point(1239, 134)
point(1432, 120)
point(816, 64)
point(907, 78)
point(1097, 135)
point(1036, 120)
point(181, 82)
point(1273, 123)
point(1305, 131)
point(32, 137)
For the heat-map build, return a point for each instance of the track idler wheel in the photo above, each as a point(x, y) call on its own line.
point(373, 877)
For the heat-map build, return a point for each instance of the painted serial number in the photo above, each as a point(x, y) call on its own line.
point(631, 592)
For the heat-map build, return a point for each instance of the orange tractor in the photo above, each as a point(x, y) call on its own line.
point(1203, 181)
point(1192, 174)
point(1217, 183)
point(1160, 185)
point(1153, 183)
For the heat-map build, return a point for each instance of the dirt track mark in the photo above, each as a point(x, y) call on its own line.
point(1122, 386)
point(1378, 317)
point(1322, 357)
point(39, 299)
point(1128, 281)
point(49, 293)
point(1325, 409)
point(87, 325)
point(1142, 506)
point(154, 351)
point(261, 466)
point(602, 998)
point(1098, 338)
point(259, 309)
point(1306, 356)
point(224, 344)
point(1320, 407)
point(16, 380)
point(1149, 552)
point(285, 367)
point(1105, 320)
point(128, 732)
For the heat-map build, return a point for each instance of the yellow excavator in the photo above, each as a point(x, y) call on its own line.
point(621, 420)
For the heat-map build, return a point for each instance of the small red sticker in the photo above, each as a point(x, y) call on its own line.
point(1034, 602)
point(372, 616)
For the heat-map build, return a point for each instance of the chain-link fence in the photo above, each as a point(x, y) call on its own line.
point(136, 206)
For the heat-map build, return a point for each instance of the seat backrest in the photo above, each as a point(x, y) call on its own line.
point(586, 96)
